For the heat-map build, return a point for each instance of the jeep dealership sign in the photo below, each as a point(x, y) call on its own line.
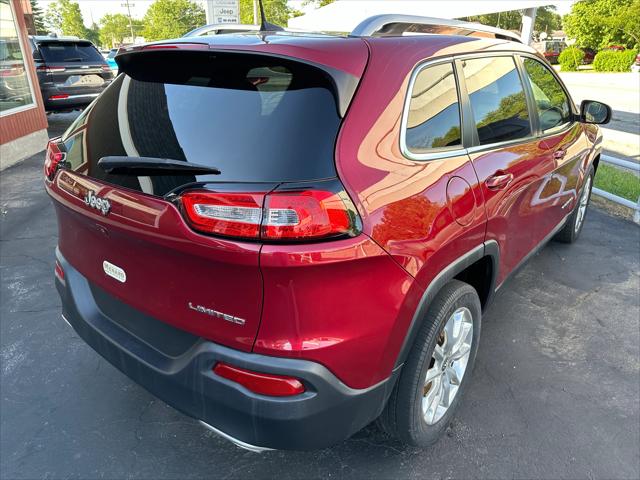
point(223, 11)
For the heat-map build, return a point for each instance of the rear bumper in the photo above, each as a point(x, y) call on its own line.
point(326, 413)
point(77, 97)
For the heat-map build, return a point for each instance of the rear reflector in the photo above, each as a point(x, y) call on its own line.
point(262, 383)
point(281, 215)
point(52, 159)
point(50, 69)
point(59, 272)
point(59, 97)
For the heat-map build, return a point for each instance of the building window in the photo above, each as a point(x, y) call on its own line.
point(15, 89)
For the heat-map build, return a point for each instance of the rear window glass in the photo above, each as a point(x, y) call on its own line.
point(255, 118)
point(58, 52)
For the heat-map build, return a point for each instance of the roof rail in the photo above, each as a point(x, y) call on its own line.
point(218, 28)
point(397, 24)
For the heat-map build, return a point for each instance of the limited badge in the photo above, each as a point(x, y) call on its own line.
point(114, 271)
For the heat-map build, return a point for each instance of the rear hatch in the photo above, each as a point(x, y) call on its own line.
point(73, 66)
point(262, 121)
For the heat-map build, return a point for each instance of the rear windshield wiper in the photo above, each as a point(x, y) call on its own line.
point(150, 166)
point(74, 59)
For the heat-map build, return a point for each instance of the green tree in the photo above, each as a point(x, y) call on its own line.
point(93, 34)
point(64, 16)
point(114, 27)
point(599, 23)
point(317, 3)
point(276, 11)
point(626, 22)
point(38, 18)
point(171, 19)
point(546, 19)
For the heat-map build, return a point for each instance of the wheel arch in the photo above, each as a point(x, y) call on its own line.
point(478, 267)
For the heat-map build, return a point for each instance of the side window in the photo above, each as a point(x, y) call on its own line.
point(433, 121)
point(497, 99)
point(551, 101)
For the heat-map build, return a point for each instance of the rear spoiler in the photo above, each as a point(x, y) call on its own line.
point(129, 60)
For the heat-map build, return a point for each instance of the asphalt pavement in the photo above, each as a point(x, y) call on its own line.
point(555, 391)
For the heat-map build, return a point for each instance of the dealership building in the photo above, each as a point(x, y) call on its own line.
point(23, 122)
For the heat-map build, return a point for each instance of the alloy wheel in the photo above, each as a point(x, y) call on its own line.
point(447, 366)
point(584, 202)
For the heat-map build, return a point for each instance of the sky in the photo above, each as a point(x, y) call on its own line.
point(95, 9)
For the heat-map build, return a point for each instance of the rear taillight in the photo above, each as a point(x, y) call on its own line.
point(258, 382)
point(106, 68)
point(306, 214)
point(281, 215)
point(53, 159)
point(60, 96)
point(228, 214)
point(50, 69)
point(11, 71)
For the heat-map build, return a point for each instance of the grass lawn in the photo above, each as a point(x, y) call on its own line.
point(617, 181)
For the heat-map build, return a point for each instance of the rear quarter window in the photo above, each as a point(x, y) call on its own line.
point(433, 117)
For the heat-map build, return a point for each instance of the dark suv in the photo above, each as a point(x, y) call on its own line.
point(288, 236)
point(71, 72)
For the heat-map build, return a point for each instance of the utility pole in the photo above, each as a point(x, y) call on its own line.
point(129, 5)
point(255, 12)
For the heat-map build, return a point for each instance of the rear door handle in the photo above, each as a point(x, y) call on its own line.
point(499, 180)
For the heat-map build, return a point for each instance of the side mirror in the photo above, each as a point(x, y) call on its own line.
point(592, 111)
point(36, 56)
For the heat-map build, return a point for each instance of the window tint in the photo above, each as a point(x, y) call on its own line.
point(55, 52)
point(497, 99)
point(247, 115)
point(434, 112)
point(551, 101)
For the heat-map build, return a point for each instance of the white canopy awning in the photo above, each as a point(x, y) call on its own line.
point(344, 15)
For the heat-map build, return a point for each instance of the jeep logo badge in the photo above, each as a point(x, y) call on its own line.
point(101, 204)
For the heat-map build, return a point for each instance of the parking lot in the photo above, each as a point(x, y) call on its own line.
point(555, 392)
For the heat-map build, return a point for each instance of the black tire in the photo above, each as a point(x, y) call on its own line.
point(403, 417)
point(569, 233)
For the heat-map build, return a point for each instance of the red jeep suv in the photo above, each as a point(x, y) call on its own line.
point(287, 236)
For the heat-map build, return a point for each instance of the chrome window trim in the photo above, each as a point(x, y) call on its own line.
point(444, 154)
point(437, 153)
point(506, 143)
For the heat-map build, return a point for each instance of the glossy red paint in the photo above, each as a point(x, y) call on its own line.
point(543, 190)
point(170, 269)
point(346, 54)
point(404, 203)
point(346, 304)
